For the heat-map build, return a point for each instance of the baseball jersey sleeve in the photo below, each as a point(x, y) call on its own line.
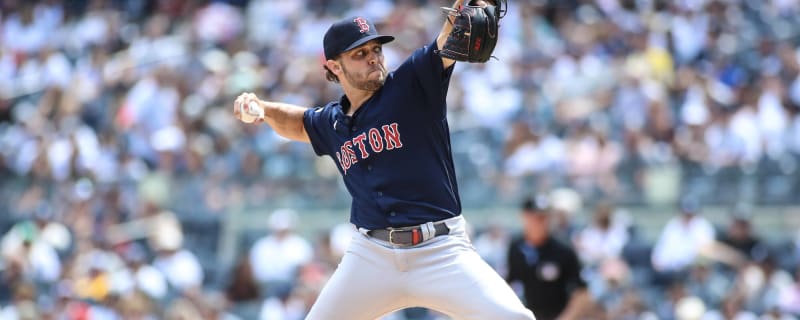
point(432, 76)
point(316, 122)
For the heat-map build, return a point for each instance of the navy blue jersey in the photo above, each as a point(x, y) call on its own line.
point(394, 152)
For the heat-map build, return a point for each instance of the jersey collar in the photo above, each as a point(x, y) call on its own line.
point(344, 104)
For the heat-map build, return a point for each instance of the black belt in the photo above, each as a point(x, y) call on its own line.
point(407, 236)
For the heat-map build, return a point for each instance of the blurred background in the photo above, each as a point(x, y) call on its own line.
point(128, 190)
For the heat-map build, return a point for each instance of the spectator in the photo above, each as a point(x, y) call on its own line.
point(283, 307)
point(277, 257)
point(95, 284)
point(527, 152)
point(632, 306)
point(671, 301)
point(45, 228)
point(603, 239)
point(213, 305)
point(29, 255)
point(593, 162)
point(708, 283)
point(732, 308)
point(681, 242)
point(610, 285)
point(136, 305)
point(566, 205)
point(182, 309)
point(690, 307)
point(740, 236)
point(139, 276)
point(789, 297)
point(23, 306)
point(179, 266)
point(243, 291)
point(243, 286)
point(759, 285)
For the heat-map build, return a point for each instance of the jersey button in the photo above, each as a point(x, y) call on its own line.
point(354, 129)
point(392, 214)
point(380, 194)
point(369, 167)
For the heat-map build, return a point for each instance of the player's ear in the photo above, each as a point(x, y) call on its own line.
point(332, 70)
point(334, 66)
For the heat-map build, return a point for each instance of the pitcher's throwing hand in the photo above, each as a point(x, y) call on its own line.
point(247, 108)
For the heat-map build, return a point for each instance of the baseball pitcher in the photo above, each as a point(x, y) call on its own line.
point(389, 137)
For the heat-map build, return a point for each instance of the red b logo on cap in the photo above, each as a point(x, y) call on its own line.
point(362, 23)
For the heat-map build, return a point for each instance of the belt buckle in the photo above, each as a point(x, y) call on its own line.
point(391, 234)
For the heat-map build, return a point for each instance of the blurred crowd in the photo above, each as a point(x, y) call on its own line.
point(146, 269)
point(115, 117)
point(694, 269)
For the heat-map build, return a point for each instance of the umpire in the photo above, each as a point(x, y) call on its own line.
point(548, 270)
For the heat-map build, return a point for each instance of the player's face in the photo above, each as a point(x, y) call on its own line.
point(364, 67)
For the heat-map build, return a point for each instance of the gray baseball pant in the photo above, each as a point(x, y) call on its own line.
point(444, 274)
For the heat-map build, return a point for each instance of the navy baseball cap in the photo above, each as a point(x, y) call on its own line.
point(350, 33)
point(536, 204)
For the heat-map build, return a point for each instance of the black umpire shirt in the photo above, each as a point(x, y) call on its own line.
point(549, 274)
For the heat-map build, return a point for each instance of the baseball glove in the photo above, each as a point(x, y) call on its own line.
point(474, 33)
